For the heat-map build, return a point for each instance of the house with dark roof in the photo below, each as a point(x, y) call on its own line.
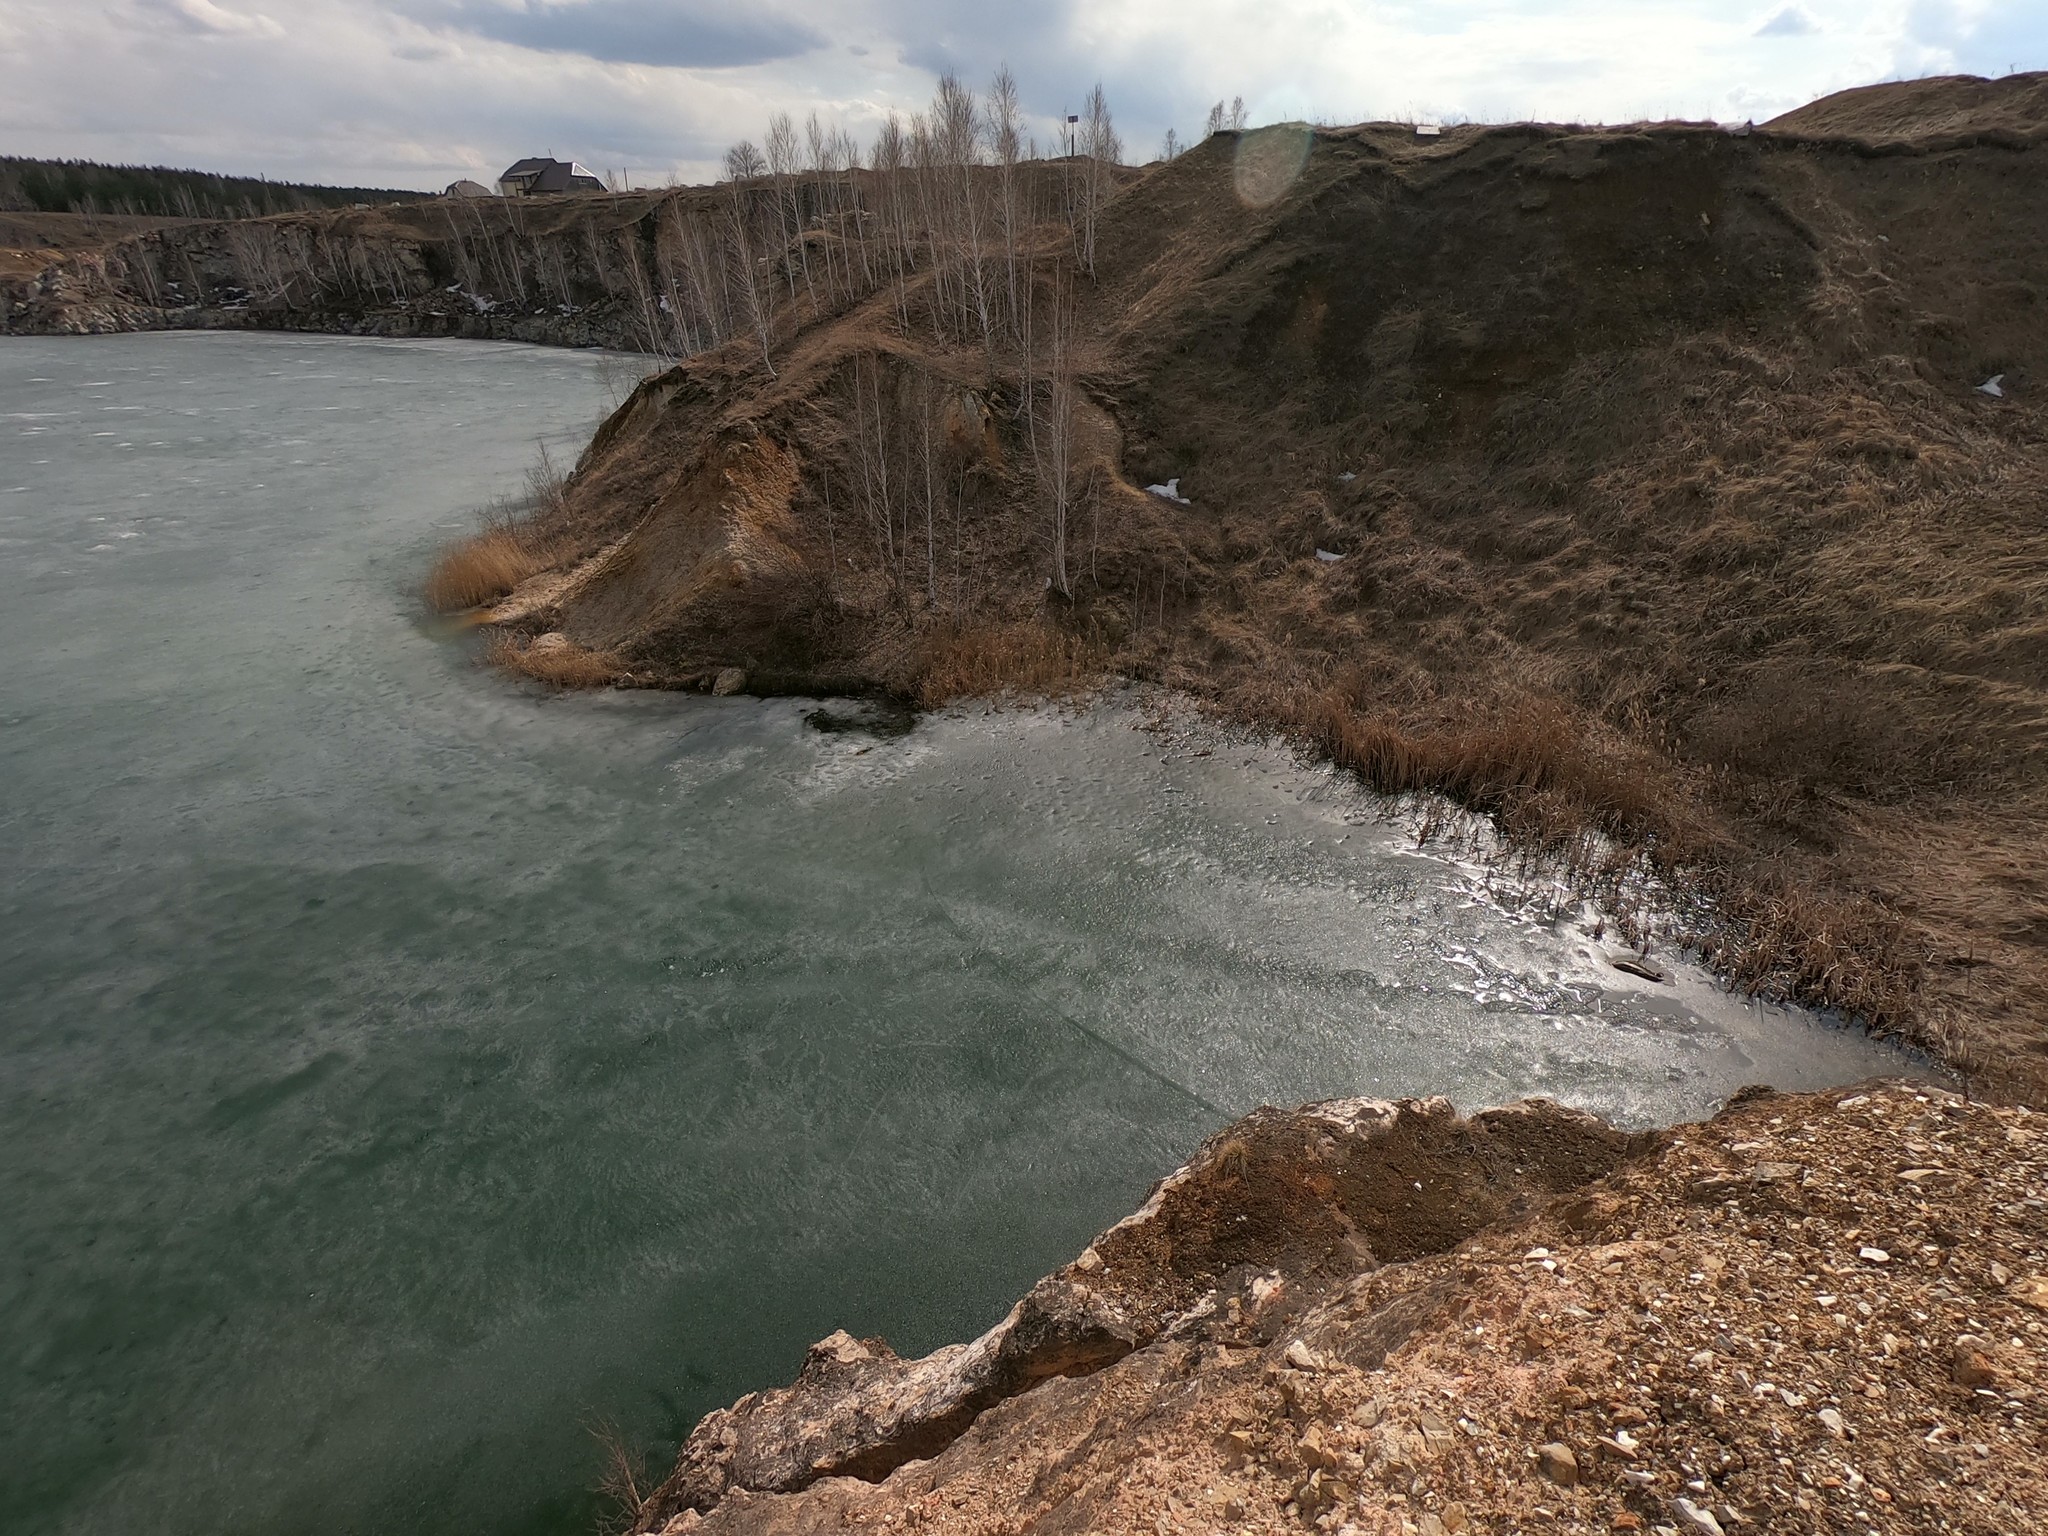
point(538, 174)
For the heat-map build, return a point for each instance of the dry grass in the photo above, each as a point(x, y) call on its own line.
point(483, 569)
point(563, 664)
point(517, 540)
point(972, 663)
point(1773, 934)
point(1602, 817)
point(1533, 764)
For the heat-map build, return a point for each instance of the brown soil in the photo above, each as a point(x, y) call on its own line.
point(1960, 108)
point(1819, 1314)
point(30, 242)
point(1666, 503)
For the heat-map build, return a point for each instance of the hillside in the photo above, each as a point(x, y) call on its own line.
point(1941, 112)
point(1664, 502)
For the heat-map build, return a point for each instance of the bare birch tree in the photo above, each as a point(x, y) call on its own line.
point(887, 161)
point(957, 127)
point(1005, 145)
point(783, 167)
point(1052, 428)
point(743, 163)
point(1101, 150)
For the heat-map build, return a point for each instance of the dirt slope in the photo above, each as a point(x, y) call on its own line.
point(1631, 482)
point(1947, 109)
point(1813, 1314)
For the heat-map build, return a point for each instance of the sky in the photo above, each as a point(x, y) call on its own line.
point(415, 93)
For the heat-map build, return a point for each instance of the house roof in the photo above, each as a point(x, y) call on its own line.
point(545, 175)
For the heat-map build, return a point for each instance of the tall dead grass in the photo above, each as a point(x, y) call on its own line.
point(1774, 935)
point(1532, 765)
point(975, 662)
point(483, 569)
point(519, 539)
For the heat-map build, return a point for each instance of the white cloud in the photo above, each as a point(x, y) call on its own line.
point(1790, 22)
point(205, 16)
point(1984, 37)
point(417, 92)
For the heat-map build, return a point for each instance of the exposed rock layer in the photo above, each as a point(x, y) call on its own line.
point(1277, 1199)
point(1814, 1314)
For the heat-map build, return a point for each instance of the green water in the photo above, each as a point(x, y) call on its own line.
point(401, 1070)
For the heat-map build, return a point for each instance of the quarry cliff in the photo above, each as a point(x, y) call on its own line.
point(1672, 494)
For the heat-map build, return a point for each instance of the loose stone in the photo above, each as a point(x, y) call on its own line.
point(1558, 1463)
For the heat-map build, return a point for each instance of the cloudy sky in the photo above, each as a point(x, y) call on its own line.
point(413, 93)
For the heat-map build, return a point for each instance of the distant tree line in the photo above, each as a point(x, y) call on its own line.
point(83, 186)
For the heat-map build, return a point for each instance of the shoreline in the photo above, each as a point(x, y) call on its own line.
point(567, 332)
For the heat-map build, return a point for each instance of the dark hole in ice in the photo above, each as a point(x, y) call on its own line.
point(877, 718)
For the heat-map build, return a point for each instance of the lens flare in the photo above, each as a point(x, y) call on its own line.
point(1268, 161)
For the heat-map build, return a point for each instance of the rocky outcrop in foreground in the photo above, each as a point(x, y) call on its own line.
point(1818, 1313)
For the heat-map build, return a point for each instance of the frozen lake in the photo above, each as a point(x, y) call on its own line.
point(402, 1070)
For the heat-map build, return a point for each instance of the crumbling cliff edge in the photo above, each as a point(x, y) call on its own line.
point(1816, 1313)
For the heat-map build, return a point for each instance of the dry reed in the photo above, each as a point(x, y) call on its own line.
point(482, 569)
point(1602, 824)
point(517, 540)
point(970, 663)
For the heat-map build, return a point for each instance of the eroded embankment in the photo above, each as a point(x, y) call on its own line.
point(1668, 494)
point(1812, 1313)
point(1632, 486)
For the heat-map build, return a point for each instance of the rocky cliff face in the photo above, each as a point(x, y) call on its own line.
point(565, 271)
point(1819, 1314)
point(1279, 1200)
